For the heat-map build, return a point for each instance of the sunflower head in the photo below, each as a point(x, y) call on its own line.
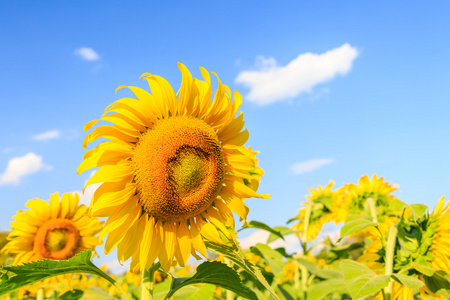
point(375, 188)
point(421, 240)
point(56, 230)
point(317, 211)
point(173, 169)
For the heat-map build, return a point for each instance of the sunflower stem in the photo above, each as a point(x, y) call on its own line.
point(148, 281)
point(121, 290)
point(373, 209)
point(389, 260)
point(304, 280)
point(306, 222)
point(230, 294)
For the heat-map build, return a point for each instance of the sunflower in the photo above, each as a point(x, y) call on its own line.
point(422, 241)
point(320, 209)
point(56, 230)
point(355, 199)
point(172, 170)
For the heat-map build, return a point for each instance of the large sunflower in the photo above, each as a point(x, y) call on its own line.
point(172, 170)
point(56, 230)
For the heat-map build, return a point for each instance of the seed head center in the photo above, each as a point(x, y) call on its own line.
point(57, 239)
point(179, 168)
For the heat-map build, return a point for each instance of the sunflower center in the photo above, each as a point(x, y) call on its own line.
point(57, 239)
point(179, 168)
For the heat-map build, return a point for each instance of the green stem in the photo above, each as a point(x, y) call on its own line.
point(121, 290)
point(373, 209)
point(230, 294)
point(296, 275)
point(389, 261)
point(148, 282)
point(306, 222)
point(40, 294)
point(304, 280)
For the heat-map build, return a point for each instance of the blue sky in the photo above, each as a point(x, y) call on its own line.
point(379, 106)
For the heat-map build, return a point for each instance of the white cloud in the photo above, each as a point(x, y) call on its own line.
point(48, 135)
point(19, 167)
point(310, 165)
point(87, 53)
point(272, 83)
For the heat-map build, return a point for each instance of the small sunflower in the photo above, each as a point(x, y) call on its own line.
point(172, 171)
point(319, 210)
point(355, 201)
point(421, 241)
point(56, 230)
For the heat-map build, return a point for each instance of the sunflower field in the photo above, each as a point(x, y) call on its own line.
point(174, 172)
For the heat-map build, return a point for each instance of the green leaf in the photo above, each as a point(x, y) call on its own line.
point(29, 273)
point(418, 210)
point(397, 205)
point(292, 219)
point(360, 280)
point(272, 257)
point(324, 288)
point(215, 273)
point(261, 225)
point(96, 293)
point(281, 229)
point(340, 252)
point(161, 289)
point(425, 270)
point(71, 295)
point(355, 226)
point(408, 281)
point(190, 292)
point(314, 269)
point(438, 283)
point(283, 252)
point(235, 254)
point(285, 293)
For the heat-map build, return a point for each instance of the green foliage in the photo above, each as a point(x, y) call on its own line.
point(261, 225)
point(322, 273)
point(361, 281)
point(408, 281)
point(15, 277)
point(418, 210)
point(322, 289)
point(272, 257)
point(235, 254)
point(215, 273)
point(281, 229)
point(355, 226)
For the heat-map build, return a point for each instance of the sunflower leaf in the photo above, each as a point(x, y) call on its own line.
point(215, 273)
point(355, 226)
point(408, 281)
point(324, 288)
point(235, 254)
point(360, 280)
point(281, 229)
point(322, 273)
point(273, 258)
point(19, 276)
point(261, 225)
